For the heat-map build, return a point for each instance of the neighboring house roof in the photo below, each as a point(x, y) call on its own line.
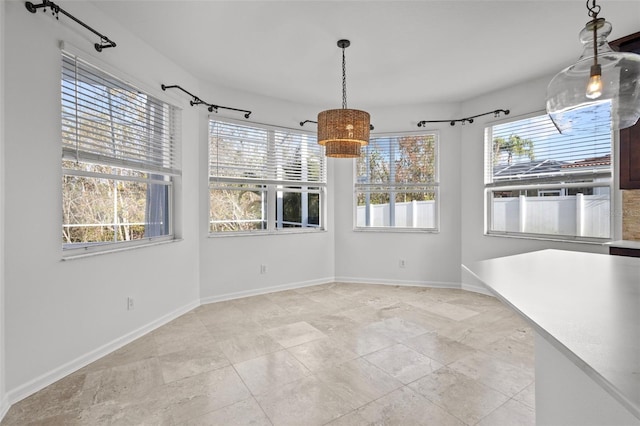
point(537, 167)
point(604, 160)
point(534, 167)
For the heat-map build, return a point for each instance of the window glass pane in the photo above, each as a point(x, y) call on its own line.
point(300, 208)
point(400, 209)
point(581, 212)
point(314, 209)
point(237, 208)
point(373, 209)
point(98, 210)
point(291, 209)
point(546, 183)
point(374, 162)
point(416, 159)
point(396, 183)
point(119, 153)
point(285, 166)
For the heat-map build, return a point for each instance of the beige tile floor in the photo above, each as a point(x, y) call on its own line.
point(333, 354)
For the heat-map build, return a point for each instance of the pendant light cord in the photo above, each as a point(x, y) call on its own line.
point(344, 81)
point(594, 9)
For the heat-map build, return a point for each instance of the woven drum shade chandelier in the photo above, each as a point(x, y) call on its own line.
point(343, 131)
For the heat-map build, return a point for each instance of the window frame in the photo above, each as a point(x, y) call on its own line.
point(270, 186)
point(167, 177)
point(435, 185)
point(545, 185)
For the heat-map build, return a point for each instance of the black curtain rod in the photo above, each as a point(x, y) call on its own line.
point(105, 42)
point(496, 113)
point(197, 101)
point(302, 123)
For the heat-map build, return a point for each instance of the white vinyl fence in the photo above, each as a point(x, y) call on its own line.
point(579, 215)
point(414, 214)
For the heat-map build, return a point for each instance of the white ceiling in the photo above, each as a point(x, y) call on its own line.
point(401, 52)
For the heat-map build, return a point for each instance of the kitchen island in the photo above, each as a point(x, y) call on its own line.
point(585, 310)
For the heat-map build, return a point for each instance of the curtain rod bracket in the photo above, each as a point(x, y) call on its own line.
point(496, 113)
point(105, 42)
point(197, 101)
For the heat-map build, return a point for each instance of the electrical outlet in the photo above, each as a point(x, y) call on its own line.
point(130, 304)
point(402, 263)
point(263, 269)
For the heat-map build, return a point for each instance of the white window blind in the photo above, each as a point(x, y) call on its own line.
point(107, 121)
point(251, 152)
point(298, 158)
point(533, 149)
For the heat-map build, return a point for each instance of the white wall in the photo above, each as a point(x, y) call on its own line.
point(60, 314)
point(230, 265)
point(373, 256)
point(522, 99)
point(4, 403)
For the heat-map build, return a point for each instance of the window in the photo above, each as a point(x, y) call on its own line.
point(543, 183)
point(119, 160)
point(397, 183)
point(264, 179)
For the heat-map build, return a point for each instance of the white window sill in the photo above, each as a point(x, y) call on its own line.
point(73, 254)
point(558, 239)
point(389, 229)
point(265, 233)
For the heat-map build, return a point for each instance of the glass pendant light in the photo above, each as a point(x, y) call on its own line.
point(601, 75)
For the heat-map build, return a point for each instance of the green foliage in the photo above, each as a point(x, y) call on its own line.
point(515, 145)
point(411, 161)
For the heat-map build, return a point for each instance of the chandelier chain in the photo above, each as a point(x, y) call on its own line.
point(593, 8)
point(344, 81)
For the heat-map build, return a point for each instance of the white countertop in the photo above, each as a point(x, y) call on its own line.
point(586, 305)
point(624, 244)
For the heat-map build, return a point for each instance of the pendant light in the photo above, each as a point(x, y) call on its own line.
point(601, 75)
point(343, 131)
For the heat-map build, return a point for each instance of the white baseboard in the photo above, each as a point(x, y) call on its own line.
point(4, 407)
point(264, 290)
point(406, 283)
point(477, 289)
point(58, 373)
